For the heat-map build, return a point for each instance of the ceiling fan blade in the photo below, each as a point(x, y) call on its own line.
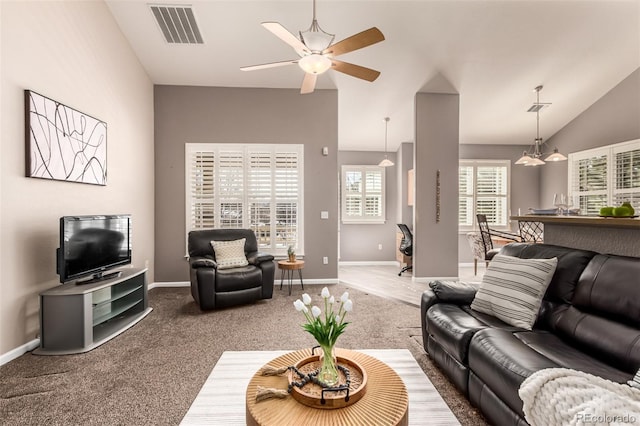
point(355, 42)
point(269, 65)
point(283, 34)
point(309, 83)
point(355, 70)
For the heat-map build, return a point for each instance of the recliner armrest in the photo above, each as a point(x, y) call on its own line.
point(457, 292)
point(202, 262)
point(257, 257)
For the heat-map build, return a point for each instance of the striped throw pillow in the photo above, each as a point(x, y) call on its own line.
point(230, 254)
point(512, 289)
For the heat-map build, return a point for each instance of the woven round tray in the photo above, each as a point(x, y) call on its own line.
point(385, 403)
point(313, 395)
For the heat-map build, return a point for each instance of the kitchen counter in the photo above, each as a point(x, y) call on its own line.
point(613, 235)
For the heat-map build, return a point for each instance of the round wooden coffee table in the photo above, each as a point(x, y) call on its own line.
point(385, 403)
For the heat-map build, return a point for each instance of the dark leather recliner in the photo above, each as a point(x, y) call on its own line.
point(214, 288)
point(589, 321)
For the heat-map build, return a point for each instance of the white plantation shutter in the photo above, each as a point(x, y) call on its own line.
point(483, 189)
point(287, 196)
point(626, 175)
point(200, 190)
point(230, 185)
point(253, 186)
point(606, 176)
point(363, 194)
point(466, 212)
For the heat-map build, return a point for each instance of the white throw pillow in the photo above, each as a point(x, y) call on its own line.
point(230, 254)
point(512, 289)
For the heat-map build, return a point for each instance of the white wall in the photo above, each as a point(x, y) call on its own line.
point(74, 53)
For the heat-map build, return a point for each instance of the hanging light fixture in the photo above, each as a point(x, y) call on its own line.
point(386, 162)
point(534, 158)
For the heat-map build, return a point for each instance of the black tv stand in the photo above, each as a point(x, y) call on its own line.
point(100, 276)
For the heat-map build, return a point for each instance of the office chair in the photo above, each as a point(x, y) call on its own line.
point(406, 245)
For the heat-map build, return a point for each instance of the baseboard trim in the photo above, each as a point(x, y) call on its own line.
point(19, 351)
point(170, 284)
point(429, 279)
point(296, 281)
point(369, 263)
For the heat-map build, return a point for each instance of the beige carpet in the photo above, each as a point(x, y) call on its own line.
point(150, 374)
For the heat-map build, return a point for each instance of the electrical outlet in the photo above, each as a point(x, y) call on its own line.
point(379, 246)
point(325, 260)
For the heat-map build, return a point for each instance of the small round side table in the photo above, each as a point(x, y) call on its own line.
point(289, 267)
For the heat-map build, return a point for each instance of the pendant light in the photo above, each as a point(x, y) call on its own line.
point(386, 162)
point(534, 158)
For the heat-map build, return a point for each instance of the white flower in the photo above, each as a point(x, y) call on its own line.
point(315, 311)
point(325, 293)
point(298, 305)
point(332, 300)
point(338, 319)
point(306, 299)
point(348, 305)
point(305, 309)
point(344, 297)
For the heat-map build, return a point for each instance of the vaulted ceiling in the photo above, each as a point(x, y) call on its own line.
point(493, 53)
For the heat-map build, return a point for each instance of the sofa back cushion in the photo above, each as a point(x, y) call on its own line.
point(610, 287)
point(571, 263)
point(605, 314)
point(199, 242)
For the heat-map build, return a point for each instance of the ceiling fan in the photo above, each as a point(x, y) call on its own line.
point(317, 53)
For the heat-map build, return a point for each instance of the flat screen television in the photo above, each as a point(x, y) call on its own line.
point(91, 245)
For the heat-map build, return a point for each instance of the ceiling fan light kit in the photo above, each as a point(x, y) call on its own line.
point(534, 158)
point(317, 53)
point(314, 63)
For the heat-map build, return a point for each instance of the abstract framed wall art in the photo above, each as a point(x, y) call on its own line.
point(63, 143)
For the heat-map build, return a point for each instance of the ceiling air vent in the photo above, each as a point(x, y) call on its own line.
point(178, 24)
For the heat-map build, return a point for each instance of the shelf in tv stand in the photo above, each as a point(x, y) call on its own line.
point(78, 318)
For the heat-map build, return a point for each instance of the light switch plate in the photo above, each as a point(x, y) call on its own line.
point(324, 215)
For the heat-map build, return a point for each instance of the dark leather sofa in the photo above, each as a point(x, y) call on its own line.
point(214, 288)
point(589, 321)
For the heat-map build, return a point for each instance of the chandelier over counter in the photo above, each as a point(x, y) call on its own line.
point(533, 157)
point(386, 162)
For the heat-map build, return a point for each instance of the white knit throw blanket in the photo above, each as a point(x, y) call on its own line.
point(561, 396)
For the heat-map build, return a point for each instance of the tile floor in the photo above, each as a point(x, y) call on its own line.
point(384, 281)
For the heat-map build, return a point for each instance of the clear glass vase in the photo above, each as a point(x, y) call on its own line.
point(328, 374)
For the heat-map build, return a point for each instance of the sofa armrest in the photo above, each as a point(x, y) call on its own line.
point(202, 262)
point(457, 292)
point(257, 257)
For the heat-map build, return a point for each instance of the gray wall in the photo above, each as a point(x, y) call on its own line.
point(525, 184)
point(435, 250)
point(359, 242)
point(404, 164)
point(234, 115)
point(613, 118)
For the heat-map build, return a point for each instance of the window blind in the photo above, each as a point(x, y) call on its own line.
point(250, 186)
point(363, 194)
point(483, 189)
point(605, 176)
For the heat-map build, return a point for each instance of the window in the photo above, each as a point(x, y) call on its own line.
point(605, 176)
point(253, 186)
point(483, 189)
point(363, 198)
